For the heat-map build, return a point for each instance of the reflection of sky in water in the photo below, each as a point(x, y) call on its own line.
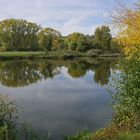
point(63, 105)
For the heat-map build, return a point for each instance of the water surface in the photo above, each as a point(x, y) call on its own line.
point(57, 96)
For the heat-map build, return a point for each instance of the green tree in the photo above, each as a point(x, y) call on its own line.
point(115, 46)
point(49, 39)
point(90, 42)
point(127, 87)
point(102, 38)
point(76, 42)
point(127, 95)
point(18, 35)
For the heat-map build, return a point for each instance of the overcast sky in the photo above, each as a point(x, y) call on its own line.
point(66, 16)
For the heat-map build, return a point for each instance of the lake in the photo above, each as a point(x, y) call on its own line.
point(59, 97)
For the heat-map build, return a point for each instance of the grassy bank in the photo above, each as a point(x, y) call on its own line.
point(52, 54)
point(114, 134)
point(121, 136)
point(20, 55)
point(105, 134)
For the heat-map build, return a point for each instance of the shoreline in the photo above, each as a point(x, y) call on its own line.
point(54, 55)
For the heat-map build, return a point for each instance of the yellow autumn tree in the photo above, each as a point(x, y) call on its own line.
point(128, 22)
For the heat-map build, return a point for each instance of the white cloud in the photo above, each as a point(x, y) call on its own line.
point(66, 16)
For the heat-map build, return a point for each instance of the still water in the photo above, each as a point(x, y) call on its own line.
point(59, 97)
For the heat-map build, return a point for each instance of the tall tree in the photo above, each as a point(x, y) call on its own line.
point(76, 42)
point(49, 39)
point(18, 35)
point(102, 38)
point(127, 21)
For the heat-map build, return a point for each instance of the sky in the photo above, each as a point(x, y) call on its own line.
point(67, 16)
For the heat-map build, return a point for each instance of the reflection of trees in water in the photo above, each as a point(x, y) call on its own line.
point(23, 73)
point(77, 69)
point(18, 74)
point(101, 68)
point(102, 73)
point(48, 70)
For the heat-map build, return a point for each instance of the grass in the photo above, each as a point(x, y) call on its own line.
point(65, 54)
point(32, 55)
point(51, 54)
point(10, 55)
point(113, 133)
point(128, 136)
point(83, 135)
point(104, 134)
point(109, 133)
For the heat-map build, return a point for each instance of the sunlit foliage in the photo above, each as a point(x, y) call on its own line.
point(128, 21)
point(18, 35)
point(76, 42)
point(127, 87)
point(102, 38)
point(22, 35)
point(50, 39)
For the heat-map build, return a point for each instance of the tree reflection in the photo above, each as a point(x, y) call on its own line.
point(77, 70)
point(48, 69)
point(102, 73)
point(23, 73)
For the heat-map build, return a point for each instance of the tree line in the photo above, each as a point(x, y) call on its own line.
point(22, 35)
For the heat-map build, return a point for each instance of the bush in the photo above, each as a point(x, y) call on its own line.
point(94, 52)
point(7, 116)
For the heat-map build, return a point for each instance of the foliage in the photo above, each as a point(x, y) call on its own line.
point(126, 88)
point(128, 136)
point(128, 21)
point(76, 42)
point(115, 46)
point(83, 135)
point(26, 132)
point(103, 134)
point(50, 39)
point(18, 35)
point(90, 42)
point(102, 38)
point(21, 35)
point(94, 52)
point(9, 129)
point(21, 55)
point(128, 95)
point(8, 111)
